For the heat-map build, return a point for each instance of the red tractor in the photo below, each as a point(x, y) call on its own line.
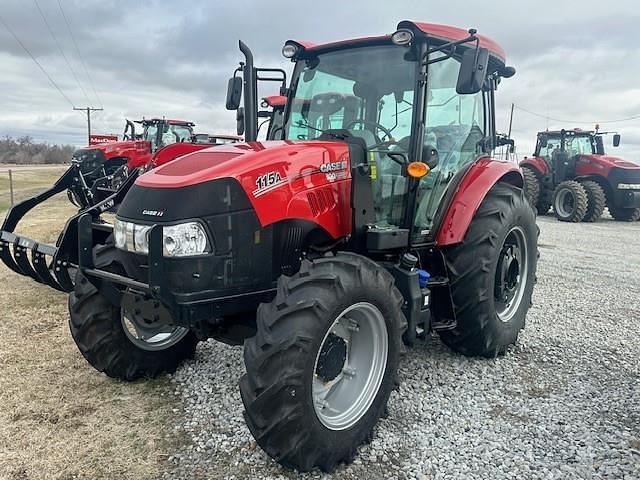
point(379, 216)
point(99, 169)
point(571, 171)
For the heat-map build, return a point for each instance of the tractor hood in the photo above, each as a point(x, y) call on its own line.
point(258, 166)
point(302, 180)
point(608, 161)
point(109, 147)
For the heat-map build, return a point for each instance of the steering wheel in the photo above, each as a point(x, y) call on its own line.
point(385, 130)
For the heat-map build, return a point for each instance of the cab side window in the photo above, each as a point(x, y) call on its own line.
point(455, 127)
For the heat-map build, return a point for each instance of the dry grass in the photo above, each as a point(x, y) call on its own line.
point(27, 181)
point(60, 419)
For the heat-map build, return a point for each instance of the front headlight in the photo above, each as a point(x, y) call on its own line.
point(180, 240)
point(629, 186)
point(183, 240)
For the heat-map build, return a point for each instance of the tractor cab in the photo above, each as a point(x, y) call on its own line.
point(160, 132)
point(412, 98)
point(273, 114)
point(562, 149)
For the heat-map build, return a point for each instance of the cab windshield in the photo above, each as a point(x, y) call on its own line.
point(368, 92)
point(579, 145)
point(169, 134)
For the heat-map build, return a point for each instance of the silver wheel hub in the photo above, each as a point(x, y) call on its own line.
point(350, 366)
point(565, 203)
point(511, 274)
point(149, 335)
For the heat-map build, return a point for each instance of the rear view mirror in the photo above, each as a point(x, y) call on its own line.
point(240, 120)
point(616, 140)
point(430, 156)
point(234, 93)
point(473, 71)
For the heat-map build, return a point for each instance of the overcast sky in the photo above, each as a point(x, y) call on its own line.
point(575, 60)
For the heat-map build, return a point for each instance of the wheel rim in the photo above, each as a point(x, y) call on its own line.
point(511, 274)
point(565, 203)
point(150, 337)
point(350, 366)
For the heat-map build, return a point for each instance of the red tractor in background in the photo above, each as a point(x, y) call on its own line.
point(571, 172)
point(97, 174)
point(378, 216)
point(102, 168)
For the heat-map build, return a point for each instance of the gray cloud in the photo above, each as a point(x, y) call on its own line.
point(575, 60)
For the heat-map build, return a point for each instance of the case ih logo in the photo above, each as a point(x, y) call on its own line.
point(153, 213)
point(333, 167)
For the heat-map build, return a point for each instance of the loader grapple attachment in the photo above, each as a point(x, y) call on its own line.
point(44, 263)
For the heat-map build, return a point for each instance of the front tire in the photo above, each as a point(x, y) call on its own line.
point(596, 201)
point(492, 274)
point(625, 214)
point(100, 330)
point(323, 362)
point(570, 201)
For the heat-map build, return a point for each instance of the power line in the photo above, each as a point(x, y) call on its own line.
point(36, 61)
point(55, 39)
point(84, 65)
point(547, 117)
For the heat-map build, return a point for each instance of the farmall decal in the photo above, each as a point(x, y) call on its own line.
point(334, 170)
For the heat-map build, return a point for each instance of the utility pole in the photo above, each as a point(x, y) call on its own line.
point(88, 110)
point(510, 125)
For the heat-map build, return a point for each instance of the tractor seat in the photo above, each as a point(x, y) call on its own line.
point(366, 135)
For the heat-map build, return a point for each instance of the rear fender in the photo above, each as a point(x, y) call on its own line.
point(538, 164)
point(471, 191)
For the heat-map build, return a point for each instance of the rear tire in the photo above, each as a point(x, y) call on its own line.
point(97, 328)
point(301, 348)
point(531, 185)
point(487, 323)
point(596, 200)
point(570, 201)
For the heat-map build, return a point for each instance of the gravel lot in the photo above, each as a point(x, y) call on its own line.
point(562, 404)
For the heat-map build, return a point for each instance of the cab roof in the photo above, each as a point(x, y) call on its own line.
point(445, 33)
point(569, 131)
point(168, 120)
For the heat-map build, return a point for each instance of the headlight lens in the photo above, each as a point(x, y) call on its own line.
point(180, 240)
point(141, 238)
point(120, 234)
point(629, 186)
point(184, 239)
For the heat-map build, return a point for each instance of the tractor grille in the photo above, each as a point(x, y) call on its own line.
point(320, 201)
point(624, 175)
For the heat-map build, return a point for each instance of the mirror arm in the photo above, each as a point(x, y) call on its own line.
point(451, 46)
